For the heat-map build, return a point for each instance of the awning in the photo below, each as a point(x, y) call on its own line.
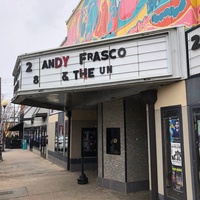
point(43, 115)
point(17, 127)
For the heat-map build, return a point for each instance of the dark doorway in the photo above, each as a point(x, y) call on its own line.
point(196, 144)
point(89, 142)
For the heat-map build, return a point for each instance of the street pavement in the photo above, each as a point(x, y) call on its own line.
point(26, 176)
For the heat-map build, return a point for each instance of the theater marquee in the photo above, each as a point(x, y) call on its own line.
point(133, 58)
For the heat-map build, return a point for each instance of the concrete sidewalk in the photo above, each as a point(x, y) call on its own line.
point(27, 176)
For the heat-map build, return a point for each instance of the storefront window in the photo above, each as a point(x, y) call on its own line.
point(38, 137)
point(59, 137)
point(44, 140)
point(113, 141)
point(173, 153)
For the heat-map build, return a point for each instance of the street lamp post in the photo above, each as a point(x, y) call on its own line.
point(4, 103)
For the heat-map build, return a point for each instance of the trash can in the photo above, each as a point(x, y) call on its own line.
point(24, 144)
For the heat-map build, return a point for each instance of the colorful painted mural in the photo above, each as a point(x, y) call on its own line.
point(98, 19)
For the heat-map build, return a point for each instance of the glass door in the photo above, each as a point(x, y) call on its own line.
point(173, 153)
point(89, 142)
point(43, 141)
point(196, 141)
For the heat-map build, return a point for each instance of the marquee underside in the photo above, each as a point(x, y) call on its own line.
point(83, 98)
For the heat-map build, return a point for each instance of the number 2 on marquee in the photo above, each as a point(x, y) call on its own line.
point(196, 39)
point(29, 68)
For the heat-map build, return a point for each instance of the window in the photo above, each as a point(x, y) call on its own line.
point(59, 137)
point(113, 141)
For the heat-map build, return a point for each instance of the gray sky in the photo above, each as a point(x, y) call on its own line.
point(28, 26)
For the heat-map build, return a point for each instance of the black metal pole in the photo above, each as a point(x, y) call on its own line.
point(83, 179)
point(69, 114)
point(1, 158)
